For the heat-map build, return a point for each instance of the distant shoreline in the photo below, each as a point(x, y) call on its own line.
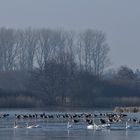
point(131, 109)
point(58, 108)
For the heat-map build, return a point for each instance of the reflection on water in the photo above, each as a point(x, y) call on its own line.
point(41, 134)
point(57, 130)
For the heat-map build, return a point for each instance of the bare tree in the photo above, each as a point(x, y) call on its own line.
point(30, 45)
point(45, 47)
point(71, 50)
point(125, 74)
point(22, 51)
point(100, 53)
point(26, 41)
point(7, 49)
point(86, 43)
point(94, 51)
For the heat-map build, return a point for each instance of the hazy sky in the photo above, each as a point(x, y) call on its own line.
point(119, 19)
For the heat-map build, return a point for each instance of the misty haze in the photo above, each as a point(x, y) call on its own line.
point(69, 69)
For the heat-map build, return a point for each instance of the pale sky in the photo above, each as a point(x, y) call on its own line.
point(119, 19)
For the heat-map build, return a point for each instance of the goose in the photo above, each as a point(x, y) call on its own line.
point(32, 126)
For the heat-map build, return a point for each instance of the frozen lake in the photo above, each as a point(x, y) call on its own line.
point(52, 129)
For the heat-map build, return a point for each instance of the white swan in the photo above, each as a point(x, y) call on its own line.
point(32, 126)
point(127, 126)
point(69, 125)
point(17, 126)
point(98, 127)
point(90, 126)
point(94, 126)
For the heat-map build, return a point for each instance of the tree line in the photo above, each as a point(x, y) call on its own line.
point(43, 67)
point(30, 48)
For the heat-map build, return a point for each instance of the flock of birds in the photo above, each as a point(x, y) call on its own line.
point(95, 121)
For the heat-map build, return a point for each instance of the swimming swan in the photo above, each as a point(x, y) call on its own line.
point(32, 126)
point(17, 126)
point(69, 125)
point(98, 127)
